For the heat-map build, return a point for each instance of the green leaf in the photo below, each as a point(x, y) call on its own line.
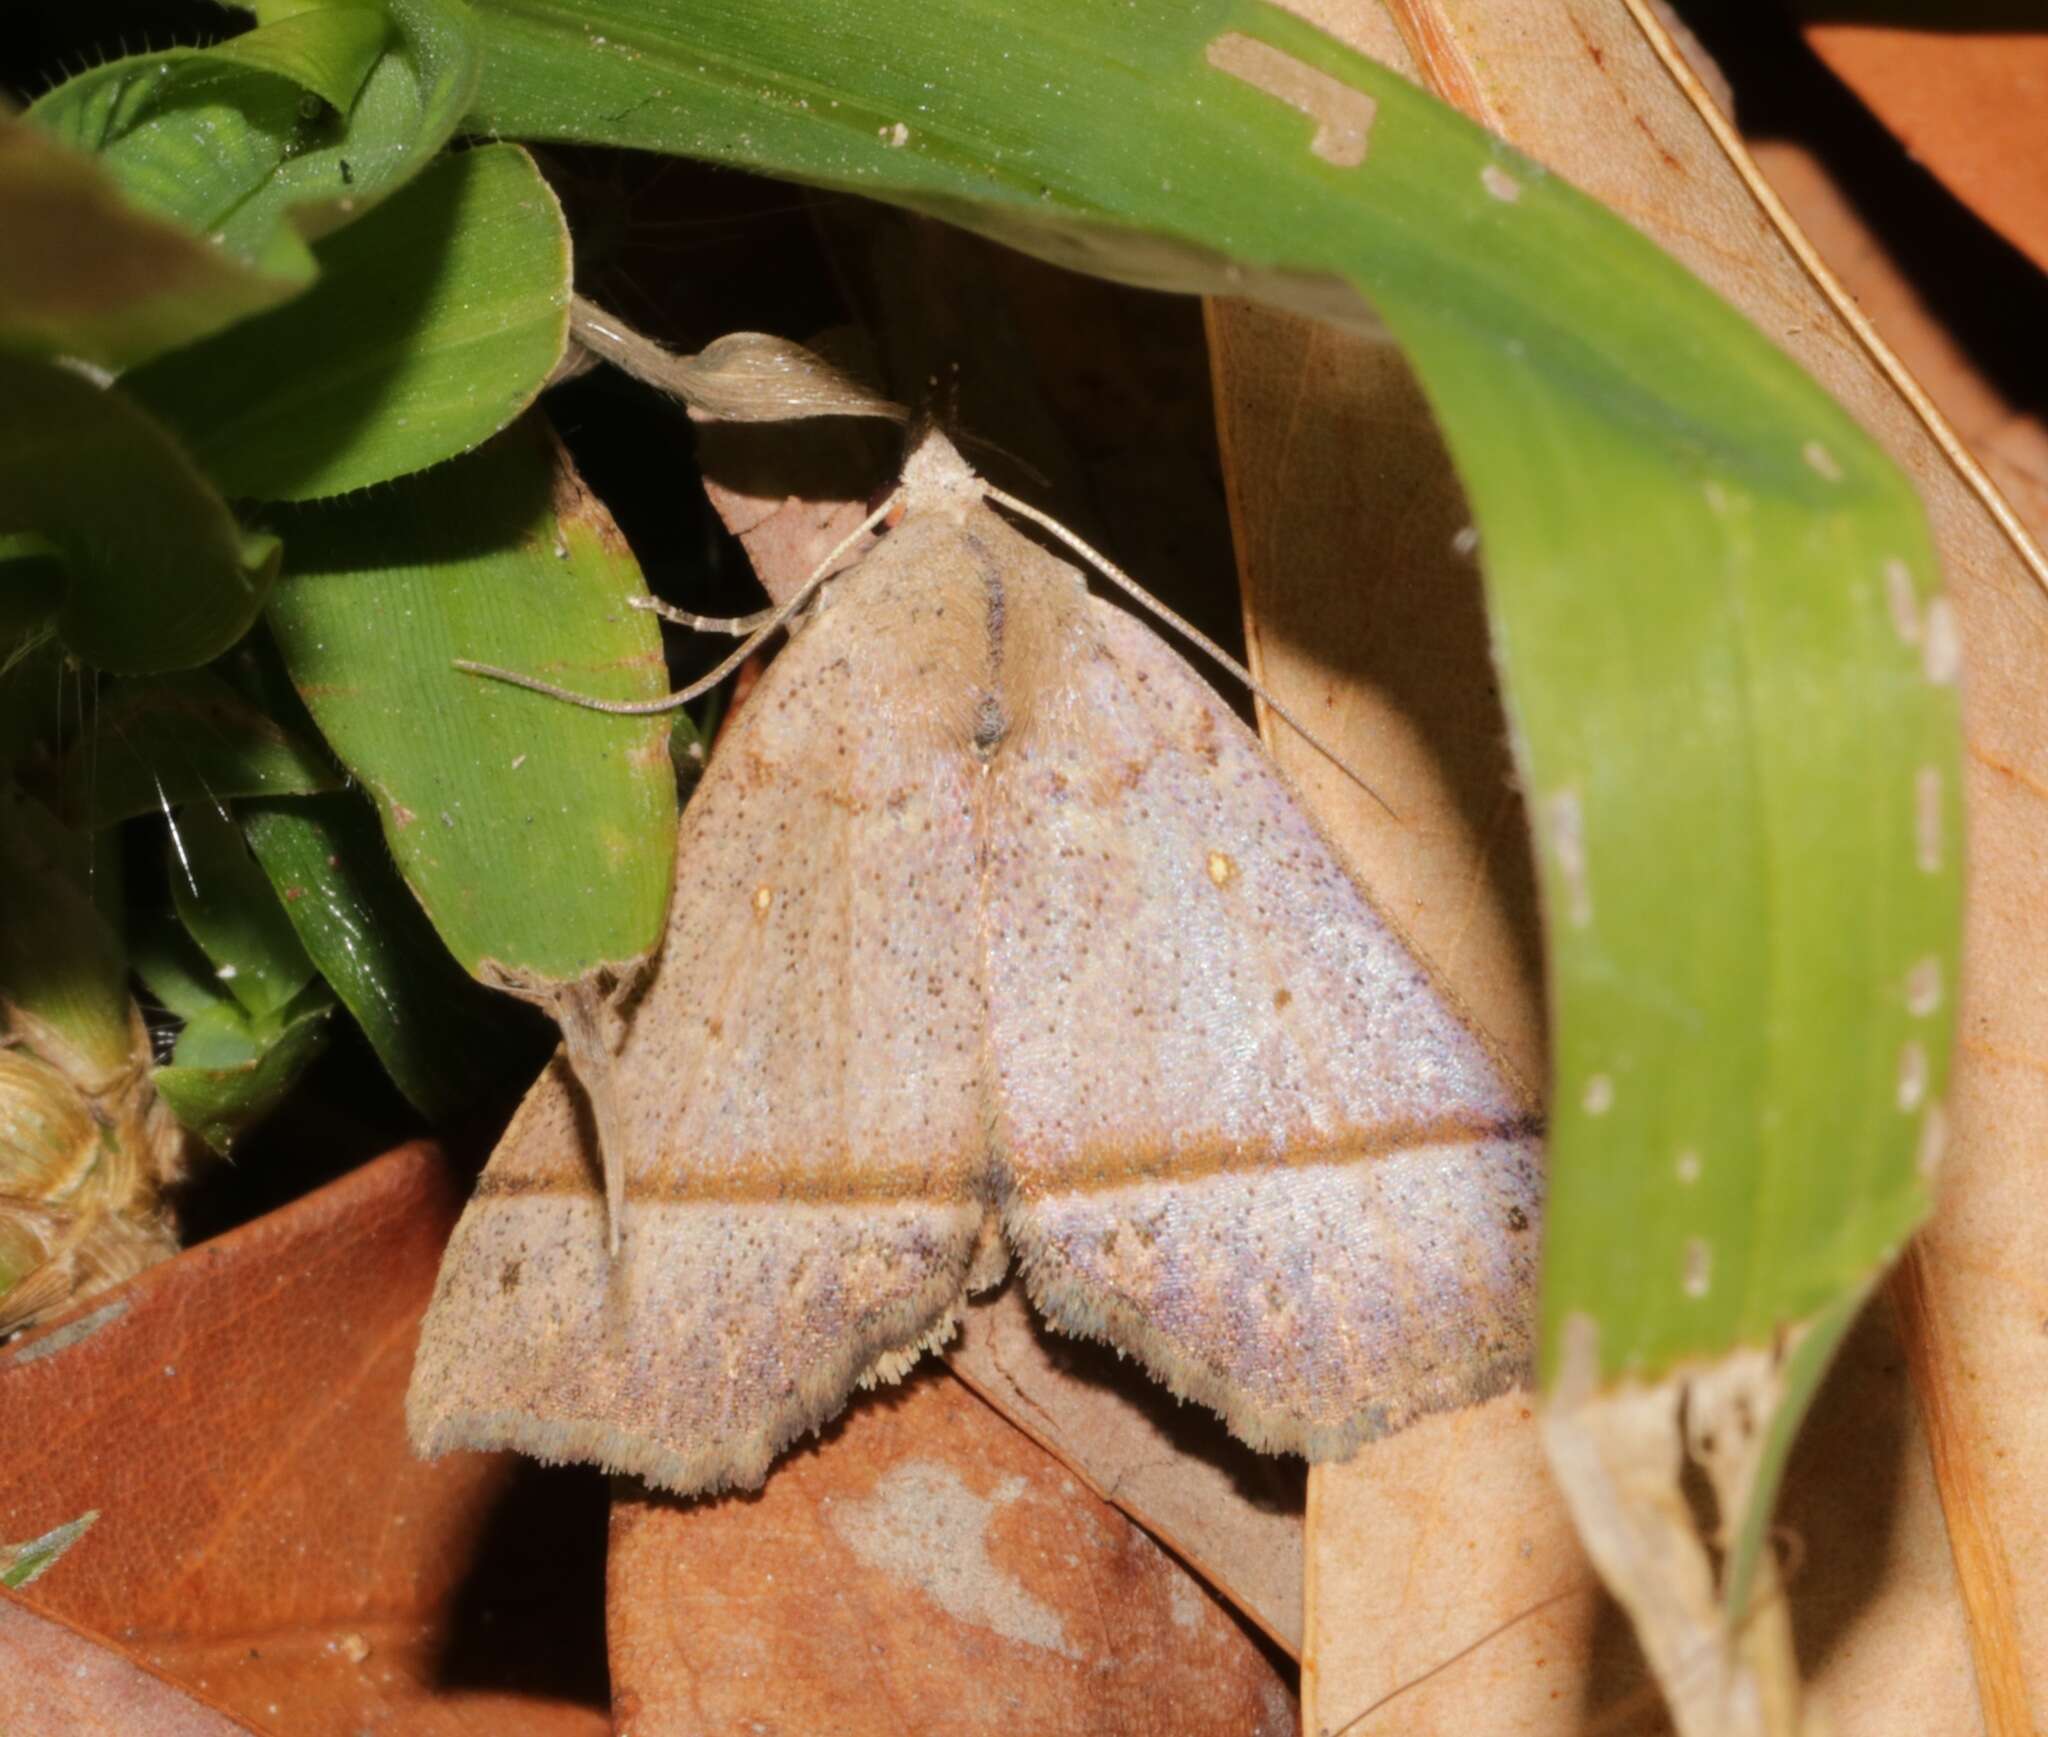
point(32, 673)
point(161, 576)
point(229, 1070)
point(63, 971)
point(443, 1039)
point(21, 1564)
point(154, 743)
point(226, 903)
point(85, 273)
point(283, 133)
point(1727, 672)
point(537, 835)
point(174, 969)
point(435, 322)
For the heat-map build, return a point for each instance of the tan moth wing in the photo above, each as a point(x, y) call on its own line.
point(1239, 1133)
point(988, 907)
point(803, 1079)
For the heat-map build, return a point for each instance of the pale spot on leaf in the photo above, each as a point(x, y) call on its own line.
point(1941, 651)
point(1923, 987)
point(1927, 820)
point(924, 1527)
point(1568, 847)
point(1912, 1074)
point(1933, 1141)
point(1343, 116)
point(1902, 596)
point(1599, 1097)
point(1687, 1167)
point(1500, 183)
point(1822, 462)
point(1699, 1267)
point(1184, 1602)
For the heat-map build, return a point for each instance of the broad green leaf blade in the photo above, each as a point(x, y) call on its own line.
point(443, 1039)
point(230, 1071)
point(437, 320)
point(161, 576)
point(538, 835)
point(226, 903)
point(327, 51)
point(282, 134)
point(154, 743)
point(87, 274)
point(1727, 671)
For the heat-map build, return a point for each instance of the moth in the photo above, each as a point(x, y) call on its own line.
point(996, 938)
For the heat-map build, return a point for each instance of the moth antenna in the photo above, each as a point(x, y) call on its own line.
point(737, 625)
point(1112, 572)
point(978, 443)
point(704, 684)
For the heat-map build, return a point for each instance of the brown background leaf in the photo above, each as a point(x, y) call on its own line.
point(922, 1567)
point(58, 1680)
point(1231, 1514)
point(1964, 86)
point(265, 1534)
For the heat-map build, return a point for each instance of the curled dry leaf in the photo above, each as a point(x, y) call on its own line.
point(1470, 1636)
point(1231, 1514)
point(924, 1567)
point(741, 377)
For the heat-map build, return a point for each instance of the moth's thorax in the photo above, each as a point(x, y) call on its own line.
point(936, 479)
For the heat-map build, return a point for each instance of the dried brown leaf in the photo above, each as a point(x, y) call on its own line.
point(1231, 1514)
point(924, 1567)
point(265, 1535)
point(1967, 98)
point(54, 1679)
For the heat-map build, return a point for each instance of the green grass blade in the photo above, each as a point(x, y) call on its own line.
point(537, 835)
point(161, 575)
point(443, 1039)
point(226, 903)
point(1727, 669)
point(436, 320)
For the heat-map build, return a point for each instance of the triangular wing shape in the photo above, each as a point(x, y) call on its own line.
point(802, 1081)
point(1239, 1133)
